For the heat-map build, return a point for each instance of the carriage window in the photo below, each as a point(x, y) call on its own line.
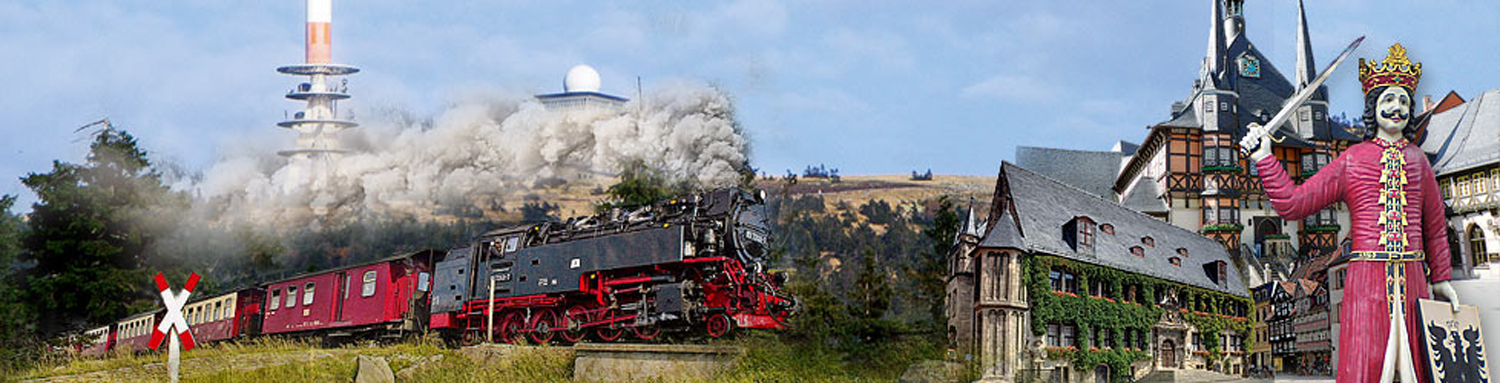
point(275, 299)
point(510, 243)
point(291, 296)
point(307, 294)
point(422, 279)
point(368, 289)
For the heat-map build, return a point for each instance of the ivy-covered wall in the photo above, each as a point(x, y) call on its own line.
point(1210, 312)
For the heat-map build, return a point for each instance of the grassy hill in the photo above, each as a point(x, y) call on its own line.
point(767, 358)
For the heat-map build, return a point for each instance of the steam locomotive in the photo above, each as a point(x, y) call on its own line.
point(678, 264)
point(693, 264)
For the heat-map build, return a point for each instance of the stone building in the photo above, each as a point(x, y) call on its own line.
point(1464, 143)
point(1056, 276)
point(1190, 167)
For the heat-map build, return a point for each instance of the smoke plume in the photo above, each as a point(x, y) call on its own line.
point(474, 155)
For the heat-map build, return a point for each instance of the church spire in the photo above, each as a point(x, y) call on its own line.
point(1215, 59)
point(1305, 66)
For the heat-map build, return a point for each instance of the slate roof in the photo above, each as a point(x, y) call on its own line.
point(1044, 205)
point(1003, 234)
point(1092, 171)
point(1466, 136)
point(1145, 198)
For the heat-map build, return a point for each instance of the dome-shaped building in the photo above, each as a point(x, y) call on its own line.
point(581, 91)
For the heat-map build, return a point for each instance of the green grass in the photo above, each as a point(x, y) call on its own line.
point(767, 358)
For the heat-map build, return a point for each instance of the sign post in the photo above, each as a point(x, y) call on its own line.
point(173, 323)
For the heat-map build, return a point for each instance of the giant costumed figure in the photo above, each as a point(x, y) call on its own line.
point(1400, 241)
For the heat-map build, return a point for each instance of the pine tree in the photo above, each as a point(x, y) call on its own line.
point(932, 266)
point(90, 231)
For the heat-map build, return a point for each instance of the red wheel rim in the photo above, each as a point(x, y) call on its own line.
point(608, 332)
point(572, 323)
point(646, 332)
point(543, 325)
point(471, 337)
point(717, 325)
point(510, 327)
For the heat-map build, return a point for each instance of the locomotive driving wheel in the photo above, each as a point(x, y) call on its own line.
point(544, 325)
point(608, 332)
point(572, 323)
point(718, 325)
point(647, 332)
point(510, 327)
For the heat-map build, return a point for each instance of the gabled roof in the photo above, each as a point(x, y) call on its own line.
point(1092, 171)
point(1003, 234)
point(1044, 205)
point(1466, 136)
point(1145, 198)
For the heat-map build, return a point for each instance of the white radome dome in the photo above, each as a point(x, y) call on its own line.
point(582, 78)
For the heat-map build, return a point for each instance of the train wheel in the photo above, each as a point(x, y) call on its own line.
point(572, 323)
point(544, 325)
point(718, 325)
point(511, 326)
point(608, 332)
point(646, 332)
point(471, 337)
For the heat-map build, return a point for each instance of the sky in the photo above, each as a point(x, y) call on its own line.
point(865, 87)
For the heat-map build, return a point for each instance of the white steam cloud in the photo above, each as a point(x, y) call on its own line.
point(475, 154)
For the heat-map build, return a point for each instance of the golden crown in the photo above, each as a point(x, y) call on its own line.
point(1395, 69)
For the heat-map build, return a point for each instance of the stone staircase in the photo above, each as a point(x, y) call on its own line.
point(1187, 376)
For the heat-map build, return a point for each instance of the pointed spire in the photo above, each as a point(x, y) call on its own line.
point(1306, 69)
point(1215, 42)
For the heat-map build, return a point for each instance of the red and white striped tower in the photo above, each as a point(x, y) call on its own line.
point(320, 120)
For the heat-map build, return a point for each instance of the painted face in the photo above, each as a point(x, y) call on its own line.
point(1393, 109)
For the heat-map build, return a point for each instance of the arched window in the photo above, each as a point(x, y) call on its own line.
point(1182, 251)
point(1476, 245)
point(291, 296)
point(1107, 229)
point(1138, 251)
point(1148, 241)
point(307, 294)
point(368, 288)
point(1176, 261)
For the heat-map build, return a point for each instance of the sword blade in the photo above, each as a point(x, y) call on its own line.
point(1311, 88)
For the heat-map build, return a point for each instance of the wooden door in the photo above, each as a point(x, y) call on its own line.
point(1167, 354)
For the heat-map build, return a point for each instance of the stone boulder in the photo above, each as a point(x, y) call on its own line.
point(373, 369)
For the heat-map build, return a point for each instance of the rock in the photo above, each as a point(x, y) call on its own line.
point(373, 370)
point(409, 372)
point(929, 371)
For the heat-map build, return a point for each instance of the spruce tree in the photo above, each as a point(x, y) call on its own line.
point(90, 230)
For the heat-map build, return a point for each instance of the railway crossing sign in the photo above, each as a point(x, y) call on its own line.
point(173, 323)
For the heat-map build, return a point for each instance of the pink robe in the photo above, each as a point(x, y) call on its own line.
point(1355, 179)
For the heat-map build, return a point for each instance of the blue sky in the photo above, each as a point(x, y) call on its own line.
point(867, 87)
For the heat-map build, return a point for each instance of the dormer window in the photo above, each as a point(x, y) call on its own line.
point(1148, 241)
point(1079, 232)
point(1215, 271)
point(1138, 251)
point(1182, 251)
point(1107, 229)
point(1175, 261)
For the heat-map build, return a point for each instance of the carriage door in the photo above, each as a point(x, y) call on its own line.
point(340, 294)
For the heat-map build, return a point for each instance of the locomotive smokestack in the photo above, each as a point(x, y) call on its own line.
point(319, 31)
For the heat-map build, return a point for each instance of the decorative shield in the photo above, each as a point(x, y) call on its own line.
point(1453, 344)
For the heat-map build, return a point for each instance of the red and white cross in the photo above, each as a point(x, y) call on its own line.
point(174, 303)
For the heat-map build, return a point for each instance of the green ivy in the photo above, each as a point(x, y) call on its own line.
point(1205, 309)
point(1278, 236)
point(1323, 229)
point(1223, 227)
point(1229, 168)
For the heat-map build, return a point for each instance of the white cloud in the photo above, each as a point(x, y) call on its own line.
point(1012, 88)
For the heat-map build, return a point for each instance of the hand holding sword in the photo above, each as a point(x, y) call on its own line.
point(1257, 142)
